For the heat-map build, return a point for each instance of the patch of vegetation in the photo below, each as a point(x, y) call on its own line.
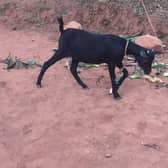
point(6, 6)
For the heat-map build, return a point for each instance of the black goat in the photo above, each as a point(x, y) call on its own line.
point(94, 48)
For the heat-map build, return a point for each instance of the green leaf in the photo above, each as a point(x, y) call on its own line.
point(134, 76)
point(165, 74)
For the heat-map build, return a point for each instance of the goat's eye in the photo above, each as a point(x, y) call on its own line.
point(143, 54)
point(148, 51)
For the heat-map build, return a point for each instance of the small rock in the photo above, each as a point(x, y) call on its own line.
point(14, 28)
point(108, 155)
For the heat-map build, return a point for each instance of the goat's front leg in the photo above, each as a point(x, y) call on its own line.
point(111, 68)
point(123, 77)
point(73, 69)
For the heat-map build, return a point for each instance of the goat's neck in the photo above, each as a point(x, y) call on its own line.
point(133, 49)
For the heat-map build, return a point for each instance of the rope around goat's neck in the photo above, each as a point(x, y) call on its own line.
point(125, 57)
point(126, 47)
point(125, 54)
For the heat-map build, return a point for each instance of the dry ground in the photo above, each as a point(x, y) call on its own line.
point(62, 125)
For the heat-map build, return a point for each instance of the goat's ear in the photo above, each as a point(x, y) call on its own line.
point(157, 52)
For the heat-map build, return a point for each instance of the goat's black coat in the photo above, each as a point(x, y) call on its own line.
point(94, 48)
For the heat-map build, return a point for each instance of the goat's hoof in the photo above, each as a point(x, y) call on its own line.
point(117, 97)
point(86, 87)
point(38, 85)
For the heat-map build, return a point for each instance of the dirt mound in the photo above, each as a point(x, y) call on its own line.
point(105, 17)
point(149, 41)
point(42, 14)
point(96, 16)
point(61, 125)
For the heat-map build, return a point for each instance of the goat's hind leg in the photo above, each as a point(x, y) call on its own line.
point(56, 57)
point(74, 72)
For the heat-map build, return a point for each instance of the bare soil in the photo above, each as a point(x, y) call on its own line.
point(62, 125)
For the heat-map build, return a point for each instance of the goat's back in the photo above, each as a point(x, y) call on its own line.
point(91, 47)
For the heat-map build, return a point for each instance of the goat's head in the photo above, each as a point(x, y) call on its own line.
point(145, 59)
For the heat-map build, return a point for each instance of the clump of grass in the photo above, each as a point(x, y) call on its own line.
point(6, 6)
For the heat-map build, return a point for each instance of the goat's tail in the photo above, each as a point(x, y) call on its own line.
point(61, 23)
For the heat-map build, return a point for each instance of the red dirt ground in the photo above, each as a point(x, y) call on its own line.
point(64, 126)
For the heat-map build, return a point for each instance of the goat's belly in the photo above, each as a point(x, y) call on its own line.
point(92, 59)
point(94, 62)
